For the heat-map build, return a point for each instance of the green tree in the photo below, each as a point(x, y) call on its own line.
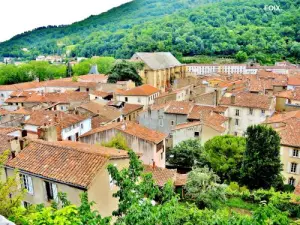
point(261, 165)
point(202, 187)
point(224, 154)
point(118, 142)
point(69, 70)
point(123, 71)
point(10, 193)
point(186, 154)
point(241, 56)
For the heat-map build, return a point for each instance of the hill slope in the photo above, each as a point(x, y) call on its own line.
point(189, 27)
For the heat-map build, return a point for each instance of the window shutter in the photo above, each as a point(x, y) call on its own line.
point(288, 167)
point(54, 190)
point(45, 191)
point(30, 185)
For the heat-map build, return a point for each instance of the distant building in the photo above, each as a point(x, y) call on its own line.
point(141, 95)
point(66, 126)
point(206, 69)
point(160, 69)
point(245, 109)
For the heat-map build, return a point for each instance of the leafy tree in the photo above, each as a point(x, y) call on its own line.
point(10, 193)
point(186, 154)
point(123, 71)
point(202, 187)
point(118, 142)
point(241, 56)
point(261, 165)
point(224, 154)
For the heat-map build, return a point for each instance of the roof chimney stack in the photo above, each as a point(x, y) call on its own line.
point(232, 99)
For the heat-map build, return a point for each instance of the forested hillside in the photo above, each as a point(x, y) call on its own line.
point(187, 27)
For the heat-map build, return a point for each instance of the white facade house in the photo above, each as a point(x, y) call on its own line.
point(142, 95)
point(246, 109)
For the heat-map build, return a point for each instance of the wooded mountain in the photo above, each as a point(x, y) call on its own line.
point(187, 27)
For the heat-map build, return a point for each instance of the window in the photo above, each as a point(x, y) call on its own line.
point(81, 125)
point(87, 89)
point(236, 122)
point(161, 122)
point(2, 95)
point(292, 181)
point(61, 108)
point(196, 134)
point(126, 99)
point(26, 204)
point(139, 100)
point(263, 112)
point(251, 111)
point(293, 167)
point(235, 134)
point(237, 112)
point(27, 183)
point(295, 153)
point(70, 138)
point(172, 122)
point(51, 191)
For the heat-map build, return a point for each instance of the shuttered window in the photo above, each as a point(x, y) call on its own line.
point(27, 183)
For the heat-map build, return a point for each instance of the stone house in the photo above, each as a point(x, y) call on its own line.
point(141, 95)
point(160, 69)
point(246, 109)
point(288, 127)
point(67, 126)
point(149, 143)
point(47, 168)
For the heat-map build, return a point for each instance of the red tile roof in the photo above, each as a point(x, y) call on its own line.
point(248, 100)
point(57, 118)
point(176, 107)
point(133, 129)
point(186, 125)
point(290, 133)
point(55, 161)
point(294, 81)
point(143, 90)
point(129, 108)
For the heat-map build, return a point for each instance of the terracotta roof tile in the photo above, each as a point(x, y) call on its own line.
point(143, 90)
point(133, 129)
point(186, 125)
point(176, 107)
point(161, 175)
point(248, 100)
point(58, 118)
point(61, 163)
point(294, 81)
point(290, 133)
point(129, 108)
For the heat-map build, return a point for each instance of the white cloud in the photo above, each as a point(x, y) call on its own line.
point(17, 16)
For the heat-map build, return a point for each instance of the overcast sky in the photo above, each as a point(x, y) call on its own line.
point(17, 16)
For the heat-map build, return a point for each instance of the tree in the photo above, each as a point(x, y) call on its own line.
point(118, 142)
point(261, 165)
point(123, 71)
point(69, 70)
point(186, 154)
point(10, 193)
point(224, 154)
point(241, 56)
point(202, 187)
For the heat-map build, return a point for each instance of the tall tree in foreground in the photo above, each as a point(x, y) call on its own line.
point(261, 163)
point(186, 154)
point(224, 154)
point(123, 71)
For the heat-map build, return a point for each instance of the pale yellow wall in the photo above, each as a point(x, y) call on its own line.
point(286, 159)
point(39, 191)
point(208, 133)
point(101, 192)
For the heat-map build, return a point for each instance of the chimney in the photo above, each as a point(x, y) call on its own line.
point(232, 99)
point(47, 133)
point(153, 165)
point(15, 146)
